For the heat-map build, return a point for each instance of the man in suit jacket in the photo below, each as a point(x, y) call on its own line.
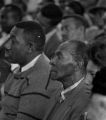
point(69, 67)
point(27, 92)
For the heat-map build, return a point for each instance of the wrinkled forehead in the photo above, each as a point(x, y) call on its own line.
point(16, 31)
point(67, 47)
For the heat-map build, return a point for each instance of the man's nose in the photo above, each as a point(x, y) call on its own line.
point(52, 61)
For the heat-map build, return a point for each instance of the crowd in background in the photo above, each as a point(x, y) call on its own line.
point(52, 59)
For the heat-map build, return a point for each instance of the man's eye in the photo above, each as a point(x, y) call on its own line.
point(59, 57)
point(93, 74)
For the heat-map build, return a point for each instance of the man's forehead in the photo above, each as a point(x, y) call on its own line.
point(15, 30)
point(66, 47)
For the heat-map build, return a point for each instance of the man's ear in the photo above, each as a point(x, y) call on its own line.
point(30, 47)
point(79, 65)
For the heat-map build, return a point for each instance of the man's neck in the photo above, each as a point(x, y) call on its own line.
point(30, 58)
point(71, 80)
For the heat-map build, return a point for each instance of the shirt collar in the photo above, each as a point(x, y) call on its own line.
point(30, 64)
point(70, 88)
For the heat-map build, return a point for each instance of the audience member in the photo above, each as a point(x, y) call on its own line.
point(97, 16)
point(92, 33)
point(69, 66)
point(27, 92)
point(49, 17)
point(74, 7)
point(10, 14)
point(97, 56)
point(21, 4)
point(73, 28)
point(89, 3)
point(97, 107)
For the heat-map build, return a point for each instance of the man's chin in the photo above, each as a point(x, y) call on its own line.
point(53, 76)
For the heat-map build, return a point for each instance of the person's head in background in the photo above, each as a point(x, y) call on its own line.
point(97, 56)
point(21, 4)
point(74, 27)
point(74, 7)
point(69, 62)
point(26, 41)
point(34, 6)
point(88, 3)
point(10, 14)
point(97, 107)
point(98, 16)
point(49, 16)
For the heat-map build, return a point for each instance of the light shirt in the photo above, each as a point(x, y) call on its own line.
point(14, 66)
point(70, 88)
point(30, 64)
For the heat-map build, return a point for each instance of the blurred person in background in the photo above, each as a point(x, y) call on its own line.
point(49, 17)
point(88, 3)
point(97, 56)
point(74, 7)
point(74, 28)
point(10, 14)
point(97, 108)
point(21, 4)
point(97, 16)
point(34, 6)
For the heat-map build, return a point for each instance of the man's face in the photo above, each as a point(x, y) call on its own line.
point(8, 19)
point(69, 30)
point(92, 68)
point(16, 47)
point(62, 64)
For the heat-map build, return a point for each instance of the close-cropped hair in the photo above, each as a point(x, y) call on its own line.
point(78, 50)
point(34, 33)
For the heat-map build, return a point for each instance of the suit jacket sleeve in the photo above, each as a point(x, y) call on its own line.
point(32, 106)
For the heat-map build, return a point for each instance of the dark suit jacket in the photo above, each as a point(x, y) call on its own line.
point(28, 93)
point(72, 107)
point(51, 45)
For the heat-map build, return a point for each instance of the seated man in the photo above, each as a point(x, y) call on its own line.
point(69, 67)
point(27, 92)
